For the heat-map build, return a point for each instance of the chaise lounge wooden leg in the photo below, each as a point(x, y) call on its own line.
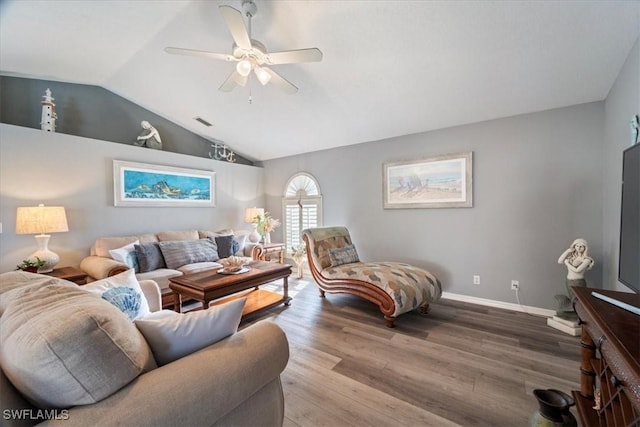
point(390, 321)
point(321, 293)
point(424, 309)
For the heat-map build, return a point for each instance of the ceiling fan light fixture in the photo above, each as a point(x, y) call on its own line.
point(244, 68)
point(262, 75)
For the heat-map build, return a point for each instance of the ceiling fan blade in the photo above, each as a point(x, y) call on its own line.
point(234, 79)
point(294, 56)
point(203, 53)
point(280, 82)
point(233, 18)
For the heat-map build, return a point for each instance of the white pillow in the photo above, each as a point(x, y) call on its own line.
point(123, 291)
point(173, 335)
point(126, 255)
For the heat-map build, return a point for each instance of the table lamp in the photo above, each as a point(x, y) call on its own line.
point(250, 217)
point(40, 220)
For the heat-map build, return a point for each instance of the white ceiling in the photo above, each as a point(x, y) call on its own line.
point(390, 68)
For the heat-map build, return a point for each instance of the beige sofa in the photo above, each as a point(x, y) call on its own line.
point(100, 263)
point(235, 381)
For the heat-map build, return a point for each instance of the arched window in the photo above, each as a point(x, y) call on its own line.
point(301, 207)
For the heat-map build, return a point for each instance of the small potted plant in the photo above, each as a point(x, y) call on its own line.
point(31, 266)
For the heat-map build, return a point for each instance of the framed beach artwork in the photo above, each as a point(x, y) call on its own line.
point(139, 184)
point(435, 182)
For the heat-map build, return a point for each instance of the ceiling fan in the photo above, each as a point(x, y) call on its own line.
point(251, 55)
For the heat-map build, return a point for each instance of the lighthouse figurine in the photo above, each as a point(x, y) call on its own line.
point(49, 116)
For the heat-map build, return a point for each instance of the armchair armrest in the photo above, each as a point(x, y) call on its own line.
point(100, 267)
point(200, 388)
point(151, 291)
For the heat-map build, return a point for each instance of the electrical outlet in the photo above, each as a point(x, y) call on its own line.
point(476, 279)
point(515, 285)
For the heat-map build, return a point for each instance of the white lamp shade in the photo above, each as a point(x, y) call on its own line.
point(250, 215)
point(41, 219)
point(244, 68)
point(263, 75)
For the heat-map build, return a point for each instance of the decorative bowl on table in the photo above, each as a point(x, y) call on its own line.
point(233, 265)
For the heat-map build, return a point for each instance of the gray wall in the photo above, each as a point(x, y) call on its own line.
point(77, 173)
point(622, 103)
point(537, 186)
point(93, 112)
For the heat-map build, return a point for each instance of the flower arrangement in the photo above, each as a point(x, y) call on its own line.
point(298, 253)
point(266, 223)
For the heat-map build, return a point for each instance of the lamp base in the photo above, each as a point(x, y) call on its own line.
point(44, 254)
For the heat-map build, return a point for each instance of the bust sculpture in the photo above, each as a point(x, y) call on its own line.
point(577, 260)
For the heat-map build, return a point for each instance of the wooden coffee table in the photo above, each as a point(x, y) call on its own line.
point(209, 285)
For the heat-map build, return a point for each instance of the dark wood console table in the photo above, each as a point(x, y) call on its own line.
point(610, 365)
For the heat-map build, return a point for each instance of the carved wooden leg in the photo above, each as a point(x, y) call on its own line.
point(588, 374)
point(390, 321)
point(424, 309)
point(321, 293)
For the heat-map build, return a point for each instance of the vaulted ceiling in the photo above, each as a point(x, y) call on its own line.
point(390, 68)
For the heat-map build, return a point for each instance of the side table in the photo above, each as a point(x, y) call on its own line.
point(71, 274)
point(269, 252)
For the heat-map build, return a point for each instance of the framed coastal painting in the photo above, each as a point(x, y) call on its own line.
point(140, 184)
point(435, 182)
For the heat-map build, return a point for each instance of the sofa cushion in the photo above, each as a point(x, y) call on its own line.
point(173, 335)
point(126, 255)
point(165, 236)
point(63, 346)
point(103, 245)
point(15, 283)
point(149, 257)
point(181, 252)
point(123, 291)
point(161, 276)
point(345, 255)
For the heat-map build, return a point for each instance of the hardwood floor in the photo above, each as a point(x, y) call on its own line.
point(462, 364)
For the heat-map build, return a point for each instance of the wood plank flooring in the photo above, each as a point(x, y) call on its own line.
point(462, 364)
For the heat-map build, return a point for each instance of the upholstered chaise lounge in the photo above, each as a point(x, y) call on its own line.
point(395, 287)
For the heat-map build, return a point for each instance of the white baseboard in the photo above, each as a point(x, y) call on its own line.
point(500, 304)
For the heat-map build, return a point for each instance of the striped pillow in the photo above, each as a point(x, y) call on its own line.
point(180, 252)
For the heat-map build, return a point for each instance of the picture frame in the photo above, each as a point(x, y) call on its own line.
point(140, 184)
point(444, 181)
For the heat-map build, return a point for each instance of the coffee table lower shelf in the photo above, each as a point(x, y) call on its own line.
point(257, 300)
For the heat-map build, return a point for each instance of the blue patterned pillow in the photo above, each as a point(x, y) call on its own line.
point(345, 255)
point(126, 299)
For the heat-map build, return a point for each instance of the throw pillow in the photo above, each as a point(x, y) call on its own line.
point(345, 255)
point(173, 335)
point(225, 245)
point(239, 242)
point(123, 291)
point(126, 255)
point(181, 252)
point(149, 257)
point(62, 347)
